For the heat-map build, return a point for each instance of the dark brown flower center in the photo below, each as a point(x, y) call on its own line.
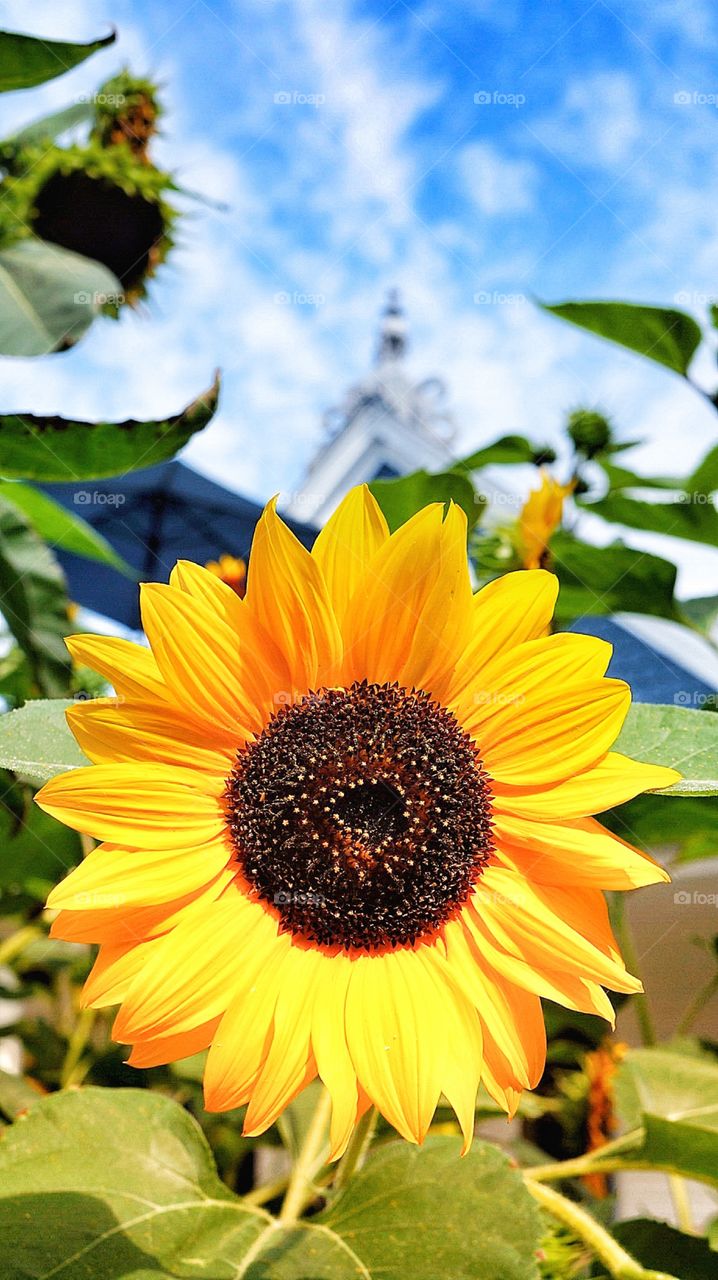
point(362, 815)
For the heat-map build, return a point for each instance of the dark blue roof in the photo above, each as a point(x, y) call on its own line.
point(153, 518)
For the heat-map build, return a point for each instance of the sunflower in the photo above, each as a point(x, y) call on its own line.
point(540, 517)
point(230, 570)
point(346, 826)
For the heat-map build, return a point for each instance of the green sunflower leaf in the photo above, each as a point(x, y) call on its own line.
point(59, 527)
point(506, 451)
point(33, 600)
point(48, 297)
point(36, 742)
point(401, 499)
point(661, 1247)
point(605, 580)
point(670, 1101)
point(34, 448)
point(678, 737)
point(29, 60)
point(124, 1184)
point(662, 334)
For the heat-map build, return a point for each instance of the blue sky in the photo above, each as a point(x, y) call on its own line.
point(475, 155)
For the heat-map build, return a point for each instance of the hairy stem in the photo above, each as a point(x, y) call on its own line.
point(609, 1252)
point(301, 1188)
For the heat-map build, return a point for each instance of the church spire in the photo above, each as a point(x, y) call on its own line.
point(392, 333)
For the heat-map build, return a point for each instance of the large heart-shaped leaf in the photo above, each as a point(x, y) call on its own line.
point(29, 60)
point(60, 527)
point(48, 297)
point(35, 448)
point(670, 1101)
point(605, 580)
point(659, 1246)
point(662, 334)
point(691, 516)
point(35, 741)
point(676, 736)
point(33, 600)
point(124, 1184)
point(401, 499)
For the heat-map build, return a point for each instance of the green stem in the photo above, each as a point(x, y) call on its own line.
point(357, 1148)
point(628, 949)
point(301, 1189)
point(681, 1203)
point(698, 1002)
point(12, 947)
point(78, 1042)
point(270, 1191)
point(608, 1251)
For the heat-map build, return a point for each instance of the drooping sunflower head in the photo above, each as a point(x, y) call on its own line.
point(346, 824)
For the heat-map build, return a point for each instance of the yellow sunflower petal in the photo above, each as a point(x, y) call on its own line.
point(121, 926)
point(507, 612)
point(115, 731)
point(460, 1035)
point(198, 655)
point(130, 668)
point(347, 543)
point(506, 688)
point(241, 1042)
point(581, 852)
point(113, 973)
point(287, 594)
point(203, 955)
point(155, 1053)
point(393, 1045)
point(509, 1014)
point(329, 1046)
point(567, 989)
point(114, 876)
point(261, 664)
point(525, 919)
point(612, 781)
point(289, 1064)
point(552, 735)
point(146, 805)
point(412, 613)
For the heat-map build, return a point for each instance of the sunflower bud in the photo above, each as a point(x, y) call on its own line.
point(589, 431)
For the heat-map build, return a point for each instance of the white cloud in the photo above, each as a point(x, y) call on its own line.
point(497, 184)
point(599, 123)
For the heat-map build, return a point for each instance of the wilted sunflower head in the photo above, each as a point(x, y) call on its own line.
point(346, 824)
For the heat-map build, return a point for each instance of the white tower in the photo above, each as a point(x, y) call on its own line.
point(386, 426)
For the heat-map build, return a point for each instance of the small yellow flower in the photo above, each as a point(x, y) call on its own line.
point(230, 570)
point(540, 517)
point(346, 824)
